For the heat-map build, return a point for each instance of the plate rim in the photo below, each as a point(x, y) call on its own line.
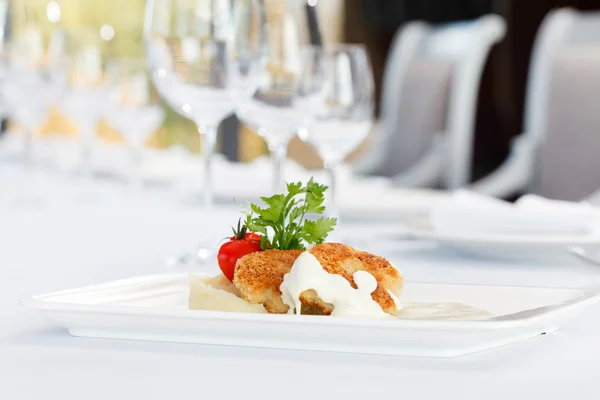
point(503, 238)
point(588, 296)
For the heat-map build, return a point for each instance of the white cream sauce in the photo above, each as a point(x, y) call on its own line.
point(450, 311)
point(308, 273)
point(395, 299)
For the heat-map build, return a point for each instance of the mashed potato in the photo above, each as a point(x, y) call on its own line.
point(218, 294)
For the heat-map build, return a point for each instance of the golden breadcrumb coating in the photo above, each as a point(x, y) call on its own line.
point(258, 276)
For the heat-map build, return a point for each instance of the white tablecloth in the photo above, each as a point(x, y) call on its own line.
point(51, 248)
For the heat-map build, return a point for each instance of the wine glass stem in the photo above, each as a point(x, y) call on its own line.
point(332, 207)
point(88, 133)
point(278, 155)
point(208, 140)
point(28, 148)
point(137, 182)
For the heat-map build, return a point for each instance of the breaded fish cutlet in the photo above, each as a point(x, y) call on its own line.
point(258, 276)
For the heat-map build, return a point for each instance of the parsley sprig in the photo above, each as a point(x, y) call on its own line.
point(283, 224)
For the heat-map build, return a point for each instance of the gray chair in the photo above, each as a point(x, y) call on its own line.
point(420, 117)
point(558, 155)
point(430, 86)
point(569, 158)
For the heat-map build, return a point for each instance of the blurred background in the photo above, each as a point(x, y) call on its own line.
point(500, 93)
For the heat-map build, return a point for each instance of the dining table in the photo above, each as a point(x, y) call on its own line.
point(74, 240)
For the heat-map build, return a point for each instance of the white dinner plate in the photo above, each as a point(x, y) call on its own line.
point(521, 247)
point(155, 308)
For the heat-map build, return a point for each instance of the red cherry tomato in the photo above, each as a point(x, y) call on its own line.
point(235, 249)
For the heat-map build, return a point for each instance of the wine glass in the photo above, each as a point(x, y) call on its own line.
point(201, 54)
point(31, 75)
point(20, 79)
point(276, 109)
point(133, 110)
point(86, 97)
point(343, 113)
point(4, 11)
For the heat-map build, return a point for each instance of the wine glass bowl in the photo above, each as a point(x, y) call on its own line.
point(86, 97)
point(275, 108)
point(200, 54)
point(22, 74)
point(192, 78)
point(133, 109)
point(19, 82)
point(344, 110)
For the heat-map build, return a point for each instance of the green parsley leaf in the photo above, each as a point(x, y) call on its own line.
point(283, 224)
point(264, 242)
point(275, 209)
point(315, 232)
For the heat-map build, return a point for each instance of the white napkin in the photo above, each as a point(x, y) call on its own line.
point(468, 212)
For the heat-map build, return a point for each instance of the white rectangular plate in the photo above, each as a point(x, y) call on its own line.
point(155, 308)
